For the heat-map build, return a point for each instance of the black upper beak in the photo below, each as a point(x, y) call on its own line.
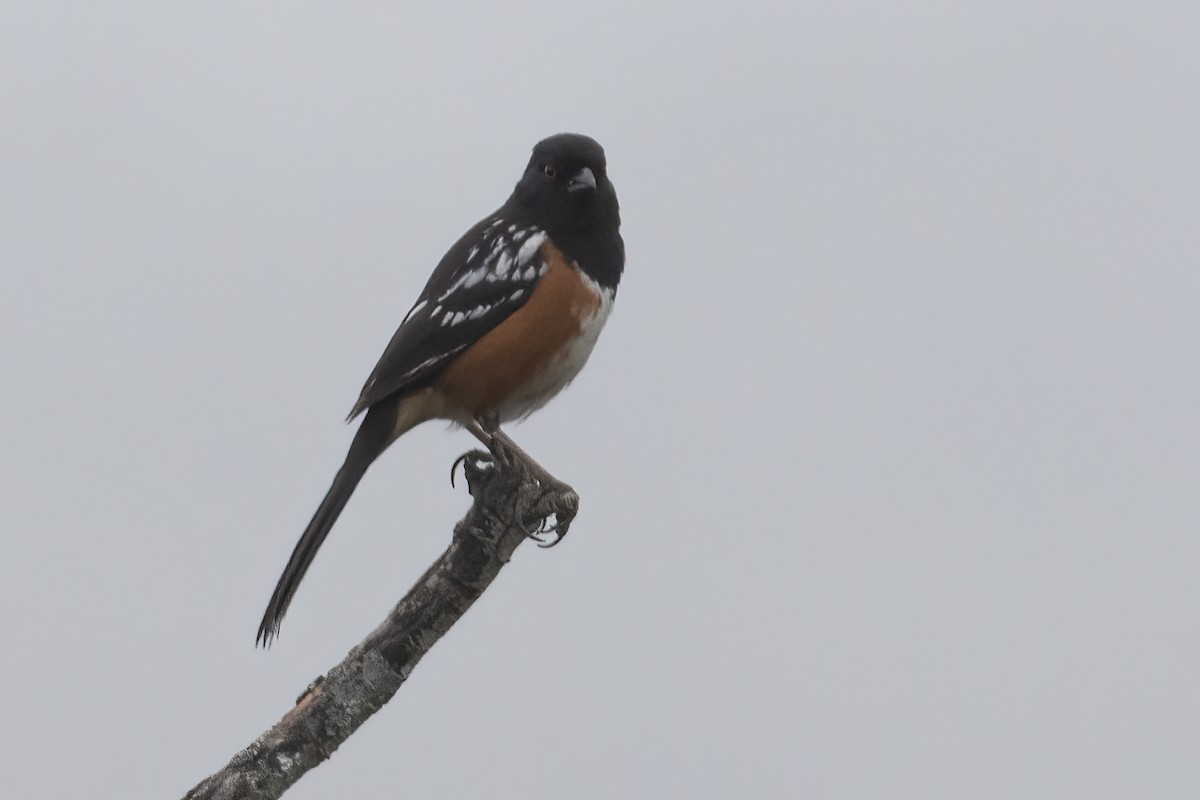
point(584, 179)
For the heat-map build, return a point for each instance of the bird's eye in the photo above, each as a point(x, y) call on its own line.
point(549, 170)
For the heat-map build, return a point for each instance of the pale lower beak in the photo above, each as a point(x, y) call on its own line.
point(584, 179)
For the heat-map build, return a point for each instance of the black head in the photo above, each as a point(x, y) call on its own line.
point(566, 189)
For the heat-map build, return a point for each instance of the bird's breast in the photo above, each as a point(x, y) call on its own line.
point(519, 365)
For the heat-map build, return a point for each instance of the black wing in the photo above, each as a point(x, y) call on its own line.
point(487, 275)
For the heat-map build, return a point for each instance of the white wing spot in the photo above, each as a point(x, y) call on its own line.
point(475, 276)
point(512, 257)
point(467, 279)
point(504, 264)
point(415, 309)
point(499, 245)
point(530, 247)
point(427, 362)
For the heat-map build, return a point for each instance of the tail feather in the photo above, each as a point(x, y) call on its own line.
point(372, 438)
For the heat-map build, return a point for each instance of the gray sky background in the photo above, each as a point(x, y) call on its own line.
point(888, 455)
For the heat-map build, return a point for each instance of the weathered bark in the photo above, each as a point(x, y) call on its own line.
point(509, 507)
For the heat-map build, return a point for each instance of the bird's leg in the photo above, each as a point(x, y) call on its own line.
point(508, 454)
point(487, 430)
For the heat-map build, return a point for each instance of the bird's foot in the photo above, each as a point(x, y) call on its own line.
point(551, 513)
point(552, 500)
point(545, 505)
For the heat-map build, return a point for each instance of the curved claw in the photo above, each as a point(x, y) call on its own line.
point(558, 537)
point(558, 529)
point(469, 459)
point(454, 468)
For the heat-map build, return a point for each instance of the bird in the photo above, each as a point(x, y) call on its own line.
point(507, 319)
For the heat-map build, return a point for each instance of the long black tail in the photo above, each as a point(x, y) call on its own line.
point(373, 437)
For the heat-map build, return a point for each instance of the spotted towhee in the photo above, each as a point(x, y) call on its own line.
point(507, 319)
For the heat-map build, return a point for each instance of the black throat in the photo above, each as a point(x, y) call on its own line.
point(599, 253)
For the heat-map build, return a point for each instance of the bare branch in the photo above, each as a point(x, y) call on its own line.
point(509, 506)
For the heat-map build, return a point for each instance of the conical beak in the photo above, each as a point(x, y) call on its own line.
point(584, 179)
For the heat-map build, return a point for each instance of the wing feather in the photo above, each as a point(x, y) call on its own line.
point(486, 276)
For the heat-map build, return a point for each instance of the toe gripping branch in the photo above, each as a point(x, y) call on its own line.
point(541, 503)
